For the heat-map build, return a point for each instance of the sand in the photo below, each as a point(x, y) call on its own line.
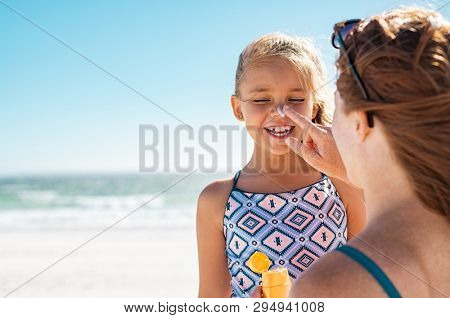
point(119, 263)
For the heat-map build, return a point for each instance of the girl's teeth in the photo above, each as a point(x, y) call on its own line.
point(280, 130)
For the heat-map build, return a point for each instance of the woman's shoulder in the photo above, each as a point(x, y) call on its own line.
point(336, 275)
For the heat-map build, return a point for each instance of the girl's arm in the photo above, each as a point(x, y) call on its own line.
point(214, 277)
point(353, 199)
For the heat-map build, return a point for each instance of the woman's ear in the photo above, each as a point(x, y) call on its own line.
point(362, 128)
point(236, 105)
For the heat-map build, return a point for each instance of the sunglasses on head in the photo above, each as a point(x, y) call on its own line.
point(340, 32)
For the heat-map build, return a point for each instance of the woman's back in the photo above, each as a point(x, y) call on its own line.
point(411, 249)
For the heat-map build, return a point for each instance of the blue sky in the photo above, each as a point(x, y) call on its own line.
point(59, 113)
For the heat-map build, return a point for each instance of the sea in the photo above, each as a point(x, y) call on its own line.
point(98, 201)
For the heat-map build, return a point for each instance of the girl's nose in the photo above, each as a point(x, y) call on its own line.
point(277, 111)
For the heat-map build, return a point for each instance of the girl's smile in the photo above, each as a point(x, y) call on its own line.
point(279, 132)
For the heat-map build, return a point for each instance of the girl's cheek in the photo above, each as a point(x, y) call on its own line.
point(259, 114)
point(306, 109)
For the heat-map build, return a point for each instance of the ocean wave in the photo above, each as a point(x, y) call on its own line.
point(53, 200)
point(83, 219)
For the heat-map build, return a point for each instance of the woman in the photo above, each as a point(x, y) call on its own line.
point(392, 129)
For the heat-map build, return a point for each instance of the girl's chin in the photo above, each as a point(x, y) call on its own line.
point(274, 146)
point(278, 150)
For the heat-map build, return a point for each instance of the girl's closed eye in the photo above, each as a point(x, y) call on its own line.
point(296, 100)
point(265, 100)
point(262, 100)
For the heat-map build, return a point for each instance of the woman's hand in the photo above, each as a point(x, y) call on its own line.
point(317, 146)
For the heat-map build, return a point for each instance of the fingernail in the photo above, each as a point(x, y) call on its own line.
point(288, 141)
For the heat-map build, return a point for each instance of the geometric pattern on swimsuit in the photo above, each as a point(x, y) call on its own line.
point(292, 228)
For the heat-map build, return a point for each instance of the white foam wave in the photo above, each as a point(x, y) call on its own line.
point(82, 219)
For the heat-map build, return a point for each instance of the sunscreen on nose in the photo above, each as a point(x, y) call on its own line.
point(280, 110)
point(276, 282)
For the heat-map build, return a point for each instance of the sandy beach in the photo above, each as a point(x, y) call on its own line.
point(119, 263)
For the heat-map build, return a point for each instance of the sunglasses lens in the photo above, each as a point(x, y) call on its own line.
point(346, 29)
point(343, 32)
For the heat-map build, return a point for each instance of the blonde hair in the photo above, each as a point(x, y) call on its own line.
point(403, 57)
point(302, 55)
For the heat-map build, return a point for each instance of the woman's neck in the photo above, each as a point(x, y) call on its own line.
point(391, 199)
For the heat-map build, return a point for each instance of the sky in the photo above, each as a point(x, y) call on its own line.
point(80, 77)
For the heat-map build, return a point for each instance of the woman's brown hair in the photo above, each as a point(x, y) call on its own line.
point(403, 58)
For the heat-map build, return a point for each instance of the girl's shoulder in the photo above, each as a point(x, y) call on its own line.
point(346, 192)
point(217, 190)
point(353, 200)
point(213, 199)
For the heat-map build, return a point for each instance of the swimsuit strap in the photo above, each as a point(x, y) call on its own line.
point(238, 173)
point(235, 178)
point(372, 268)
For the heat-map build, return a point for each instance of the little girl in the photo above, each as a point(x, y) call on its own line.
point(276, 204)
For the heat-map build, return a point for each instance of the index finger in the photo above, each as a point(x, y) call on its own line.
point(297, 118)
point(309, 128)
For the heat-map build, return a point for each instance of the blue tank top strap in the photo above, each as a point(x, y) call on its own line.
point(372, 268)
point(235, 178)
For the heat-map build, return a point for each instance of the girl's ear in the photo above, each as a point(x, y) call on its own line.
point(236, 105)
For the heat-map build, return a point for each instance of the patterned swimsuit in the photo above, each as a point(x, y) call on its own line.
point(292, 228)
